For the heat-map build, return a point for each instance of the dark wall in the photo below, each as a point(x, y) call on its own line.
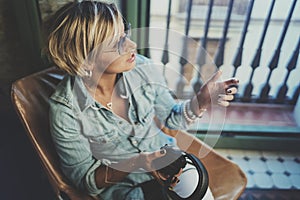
point(13, 62)
point(22, 176)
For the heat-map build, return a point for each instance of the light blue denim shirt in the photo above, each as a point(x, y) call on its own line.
point(86, 134)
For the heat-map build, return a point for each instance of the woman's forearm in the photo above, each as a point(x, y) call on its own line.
point(108, 175)
point(114, 173)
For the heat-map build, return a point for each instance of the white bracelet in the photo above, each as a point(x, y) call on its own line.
point(188, 113)
point(202, 110)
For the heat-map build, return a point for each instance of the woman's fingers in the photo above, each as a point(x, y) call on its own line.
point(223, 103)
point(156, 154)
point(229, 88)
point(230, 85)
point(225, 97)
point(146, 158)
point(232, 81)
point(216, 91)
point(232, 90)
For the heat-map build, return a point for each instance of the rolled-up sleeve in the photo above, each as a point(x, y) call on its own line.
point(76, 159)
point(90, 181)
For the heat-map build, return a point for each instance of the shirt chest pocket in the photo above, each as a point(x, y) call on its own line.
point(98, 132)
point(103, 138)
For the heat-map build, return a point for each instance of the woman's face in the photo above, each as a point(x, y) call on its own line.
point(118, 57)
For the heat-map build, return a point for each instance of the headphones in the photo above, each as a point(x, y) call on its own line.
point(191, 168)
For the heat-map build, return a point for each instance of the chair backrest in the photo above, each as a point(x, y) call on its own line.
point(30, 96)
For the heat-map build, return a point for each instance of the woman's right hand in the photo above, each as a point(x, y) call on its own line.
point(144, 160)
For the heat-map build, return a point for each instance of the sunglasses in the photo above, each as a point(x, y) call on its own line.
point(120, 46)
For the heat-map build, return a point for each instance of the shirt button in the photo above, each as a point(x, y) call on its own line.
point(134, 142)
point(136, 123)
point(120, 122)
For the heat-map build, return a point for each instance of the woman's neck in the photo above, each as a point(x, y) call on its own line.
point(102, 85)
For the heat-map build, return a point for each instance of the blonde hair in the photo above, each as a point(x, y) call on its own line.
point(78, 30)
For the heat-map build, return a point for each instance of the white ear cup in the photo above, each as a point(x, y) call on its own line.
point(193, 183)
point(188, 181)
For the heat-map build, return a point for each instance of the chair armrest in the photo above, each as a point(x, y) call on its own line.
point(226, 179)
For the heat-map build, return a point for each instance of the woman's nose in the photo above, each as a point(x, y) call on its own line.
point(129, 45)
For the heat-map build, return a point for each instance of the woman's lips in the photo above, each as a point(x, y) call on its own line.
point(132, 58)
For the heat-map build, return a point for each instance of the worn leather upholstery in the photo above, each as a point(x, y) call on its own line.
point(30, 97)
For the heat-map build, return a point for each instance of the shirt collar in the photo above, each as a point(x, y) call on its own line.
point(84, 98)
point(81, 94)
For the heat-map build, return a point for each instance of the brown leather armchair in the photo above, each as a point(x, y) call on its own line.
point(30, 97)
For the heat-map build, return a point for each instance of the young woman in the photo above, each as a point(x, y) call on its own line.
point(101, 114)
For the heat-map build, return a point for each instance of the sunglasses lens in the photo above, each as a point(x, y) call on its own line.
point(128, 30)
point(121, 45)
